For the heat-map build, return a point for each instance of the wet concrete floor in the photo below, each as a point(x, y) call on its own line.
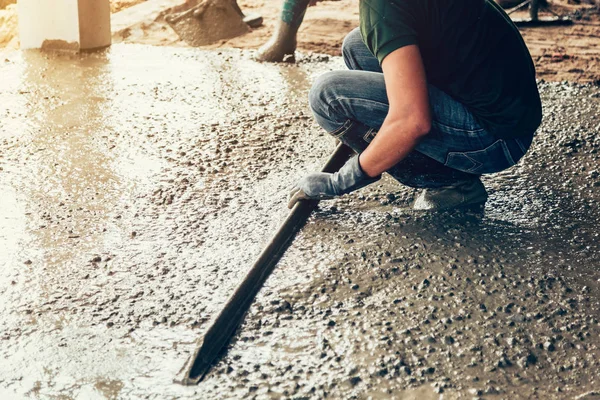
point(137, 186)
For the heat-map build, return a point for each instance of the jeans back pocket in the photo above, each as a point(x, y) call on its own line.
point(494, 158)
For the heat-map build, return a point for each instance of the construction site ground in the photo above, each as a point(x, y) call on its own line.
point(139, 183)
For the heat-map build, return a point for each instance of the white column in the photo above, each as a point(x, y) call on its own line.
point(64, 24)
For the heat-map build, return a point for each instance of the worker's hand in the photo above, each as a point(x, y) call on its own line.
point(321, 185)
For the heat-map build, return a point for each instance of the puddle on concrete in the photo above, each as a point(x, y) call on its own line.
point(138, 185)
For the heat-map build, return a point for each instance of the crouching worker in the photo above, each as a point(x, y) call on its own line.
point(438, 93)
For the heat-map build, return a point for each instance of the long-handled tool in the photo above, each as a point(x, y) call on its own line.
point(228, 320)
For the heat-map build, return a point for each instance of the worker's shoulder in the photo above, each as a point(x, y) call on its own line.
point(376, 7)
point(373, 11)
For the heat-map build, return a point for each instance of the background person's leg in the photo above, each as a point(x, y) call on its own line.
point(283, 40)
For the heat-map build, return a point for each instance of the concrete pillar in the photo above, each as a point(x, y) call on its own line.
point(64, 24)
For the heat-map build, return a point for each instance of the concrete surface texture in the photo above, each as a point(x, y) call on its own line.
point(138, 184)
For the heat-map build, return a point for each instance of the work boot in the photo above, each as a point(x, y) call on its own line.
point(466, 193)
point(283, 41)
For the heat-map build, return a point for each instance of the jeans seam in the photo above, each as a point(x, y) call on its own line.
point(506, 151)
point(338, 100)
point(523, 149)
point(476, 164)
point(341, 130)
point(367, 135)
point(468, 131)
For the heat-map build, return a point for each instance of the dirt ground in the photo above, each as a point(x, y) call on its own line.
point(118, 5)
point(570, 53)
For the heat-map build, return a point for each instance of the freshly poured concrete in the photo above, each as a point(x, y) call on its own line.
point(138, 185)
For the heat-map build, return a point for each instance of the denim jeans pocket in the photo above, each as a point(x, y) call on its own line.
point(342, 130)
point(493, 158)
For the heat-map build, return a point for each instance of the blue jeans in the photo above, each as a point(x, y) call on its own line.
point(352, 105)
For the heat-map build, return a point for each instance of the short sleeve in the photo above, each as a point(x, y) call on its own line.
point(387, 25)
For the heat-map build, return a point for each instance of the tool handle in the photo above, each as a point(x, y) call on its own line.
point(226, 323)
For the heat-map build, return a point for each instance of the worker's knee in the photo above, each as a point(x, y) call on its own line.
point(318, 95)
point(324, 99)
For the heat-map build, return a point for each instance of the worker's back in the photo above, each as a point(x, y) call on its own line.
point(471, 50)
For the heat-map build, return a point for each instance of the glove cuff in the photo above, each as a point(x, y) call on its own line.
point(365, 175)
point(351, 177)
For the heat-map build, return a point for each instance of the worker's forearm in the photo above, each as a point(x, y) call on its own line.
point(392, 143)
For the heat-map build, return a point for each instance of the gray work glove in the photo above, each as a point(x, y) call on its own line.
point(322, 185)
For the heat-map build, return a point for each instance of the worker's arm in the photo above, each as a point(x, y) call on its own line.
point(407, 121)
point(409, 115)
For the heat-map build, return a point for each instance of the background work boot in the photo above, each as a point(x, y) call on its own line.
point(281, 45)
point(283, 41)
point(466, 193)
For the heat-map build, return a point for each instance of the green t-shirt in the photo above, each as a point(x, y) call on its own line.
point(471, 50)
